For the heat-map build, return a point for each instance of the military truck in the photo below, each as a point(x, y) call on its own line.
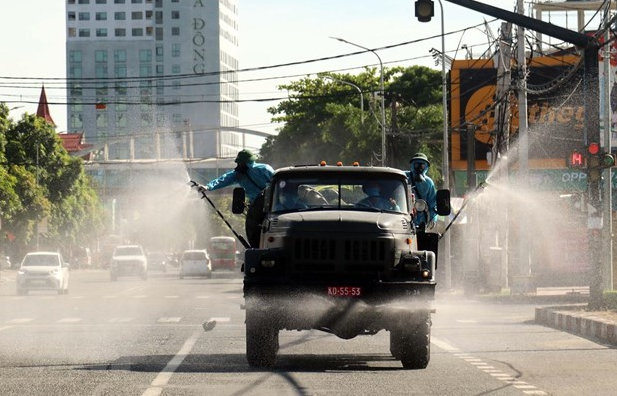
point(335, 256)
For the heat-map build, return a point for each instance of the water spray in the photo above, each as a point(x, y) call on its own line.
point(202, 190)
point(482, 185)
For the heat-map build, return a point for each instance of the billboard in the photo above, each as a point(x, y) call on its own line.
point(555, 110)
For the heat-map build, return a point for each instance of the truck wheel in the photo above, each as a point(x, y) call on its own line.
point(395, 344)
point(415, 343)
point(262, 342)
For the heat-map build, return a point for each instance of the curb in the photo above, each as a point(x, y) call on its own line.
point(574, 319)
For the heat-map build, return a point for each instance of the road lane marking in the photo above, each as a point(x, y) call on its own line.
point(69, 320)
point(220, 319)
point(120, 320)
point(527, 388)
point(162, 379)
point(175, 319)
point(5, 327)
point(20, 320)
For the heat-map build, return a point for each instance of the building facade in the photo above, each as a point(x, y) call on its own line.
point(153, 79)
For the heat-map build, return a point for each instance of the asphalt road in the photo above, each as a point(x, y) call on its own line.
point(134, 337)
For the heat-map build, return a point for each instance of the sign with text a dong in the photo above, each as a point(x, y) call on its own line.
point(554, 102)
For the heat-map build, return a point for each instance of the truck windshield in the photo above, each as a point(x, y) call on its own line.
point(296, 194)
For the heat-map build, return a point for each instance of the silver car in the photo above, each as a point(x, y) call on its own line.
point(43, 271)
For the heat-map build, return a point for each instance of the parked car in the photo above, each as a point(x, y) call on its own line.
point(128, 260)
point(43, 271)
point(195, 263)
point(157, 261)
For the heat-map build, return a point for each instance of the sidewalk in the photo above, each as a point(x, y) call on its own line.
point(565, 309)
point(601, 325)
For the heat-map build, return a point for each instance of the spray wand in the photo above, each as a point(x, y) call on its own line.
point(481, 185)
point(202, 190)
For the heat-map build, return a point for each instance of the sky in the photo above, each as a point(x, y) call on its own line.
point(271, 32)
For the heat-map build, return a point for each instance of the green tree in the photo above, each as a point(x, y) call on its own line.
point(44, 183)
point(323, 119)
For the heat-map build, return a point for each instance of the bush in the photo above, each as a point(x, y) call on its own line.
point(610, 299)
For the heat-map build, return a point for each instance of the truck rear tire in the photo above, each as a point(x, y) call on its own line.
point(413, 343)
point(262, 341)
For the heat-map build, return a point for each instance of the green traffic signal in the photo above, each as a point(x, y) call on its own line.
point(608, 160)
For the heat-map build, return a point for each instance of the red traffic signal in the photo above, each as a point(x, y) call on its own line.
point(593, 148)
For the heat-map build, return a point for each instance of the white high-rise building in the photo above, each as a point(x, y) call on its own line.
point(154, 79)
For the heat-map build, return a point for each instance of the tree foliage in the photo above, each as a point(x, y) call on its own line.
point(323, 119)
point(42, 187)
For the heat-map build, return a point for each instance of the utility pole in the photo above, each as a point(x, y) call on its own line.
point(524, 266)
point(502, 142)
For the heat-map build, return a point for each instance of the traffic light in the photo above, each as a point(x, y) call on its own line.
point(608, 160)
point(599, 159)
point(425, 10)
point(594, 156)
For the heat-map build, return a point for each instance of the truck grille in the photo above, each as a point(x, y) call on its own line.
point(342, 255)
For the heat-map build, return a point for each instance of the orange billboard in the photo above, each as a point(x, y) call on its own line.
point(555, 109)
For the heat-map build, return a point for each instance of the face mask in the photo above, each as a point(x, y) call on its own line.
point(372, 191)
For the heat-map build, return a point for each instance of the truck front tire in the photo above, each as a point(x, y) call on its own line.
point(262, 341)
point(412, 344)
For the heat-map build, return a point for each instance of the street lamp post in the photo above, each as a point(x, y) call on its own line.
point(424, 12)
point(383, 99)
point(359, 91)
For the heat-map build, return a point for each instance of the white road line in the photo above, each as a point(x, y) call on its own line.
point(172, 296)
point(69, 320)
point(20, 320)
point(444, 345)
point(175, 319)
point(162, 379)
point(120, 320)
point(497, 374)
point(220, 319)
point(5, 327)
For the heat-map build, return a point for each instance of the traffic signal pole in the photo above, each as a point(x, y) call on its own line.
point(591, 131)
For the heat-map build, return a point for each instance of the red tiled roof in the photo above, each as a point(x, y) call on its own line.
point(43, 109)
point(72, 142)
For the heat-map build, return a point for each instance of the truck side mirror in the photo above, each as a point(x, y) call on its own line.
point(443, 202)
point(238, 201)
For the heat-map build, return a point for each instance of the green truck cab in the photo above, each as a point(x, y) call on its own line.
point(335, 256)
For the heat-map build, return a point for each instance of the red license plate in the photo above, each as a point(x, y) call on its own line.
point(344, 291)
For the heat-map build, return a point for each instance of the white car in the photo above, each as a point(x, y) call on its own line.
point(128, 260)
point(195, 263)
point(43, 271)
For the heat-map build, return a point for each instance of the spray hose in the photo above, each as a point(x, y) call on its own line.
point(481, 185)
point(203, 190)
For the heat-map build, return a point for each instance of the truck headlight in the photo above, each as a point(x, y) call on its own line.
point(411, 263)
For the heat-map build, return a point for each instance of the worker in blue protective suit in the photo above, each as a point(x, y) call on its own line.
point(423, 188)
point(374, 199)
point(253, 177)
